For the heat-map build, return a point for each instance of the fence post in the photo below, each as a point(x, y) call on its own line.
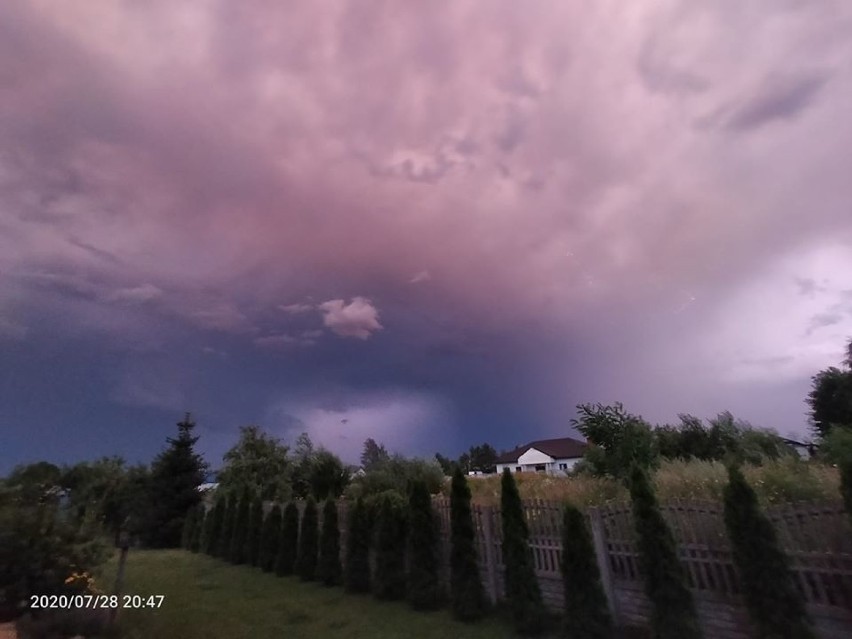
point(599, 540)
point(488, 545)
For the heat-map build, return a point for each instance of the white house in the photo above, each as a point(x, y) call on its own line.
point(543, 456)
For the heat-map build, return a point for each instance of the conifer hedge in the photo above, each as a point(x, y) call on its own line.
point(210, 533)
point(357, 569)
point(229, 515)
point(270, 539)
point(198, 528)
point(424, 587)
point(190, 521)
point(768, 584)
point(306, 558)
point(674, 615)
point(329, 570)
point(238, 551)
point(285, 562)
point(254, 529)
point(466, 592)
point(586, 609)
point(389, 576)
point(523, 593)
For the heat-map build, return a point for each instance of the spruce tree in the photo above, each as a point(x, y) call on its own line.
point(468, 597)
point(254, 530)
point(198, 529)
point(213, 531)
point(389, 577)
point(357, 569)
point(285, 562)
point(329, 570)
point(523, 592)
point(270, 539)
point(586, 608)
point(238, 551)
point(674, 615)
point(768, 583)
point(306, 559)
point(424, 588)
point(176, 474)
point(229, 517)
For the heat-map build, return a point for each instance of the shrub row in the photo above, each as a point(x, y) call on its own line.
point(402, 536)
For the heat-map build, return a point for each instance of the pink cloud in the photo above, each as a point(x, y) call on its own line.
point(358, 319)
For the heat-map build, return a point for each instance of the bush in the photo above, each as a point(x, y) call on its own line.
point(238, 553)
point(254, 530)
point(270, 539)
point(674, 615)
point(618, 439)
point(329, 570)
point(523, 592)
point(467, 596)
point(213, 527)
point(424, 588)
point(389, 578)
point(306, 560)
point(357, 570)
point(40, 547)
point(285, 563)
point(768, 584)
point(586, 608)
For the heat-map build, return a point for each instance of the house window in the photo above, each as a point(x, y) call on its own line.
point(540, 468)
point(517, 469)
point(563, 466)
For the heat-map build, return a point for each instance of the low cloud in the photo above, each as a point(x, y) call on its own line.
point(136, 294)
point(358, 319)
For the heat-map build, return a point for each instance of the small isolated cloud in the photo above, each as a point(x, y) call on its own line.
point(10, 329)
point(296, 309)
point(422, 276)
point(209, 350)
point(358, 319)
point(135, 294)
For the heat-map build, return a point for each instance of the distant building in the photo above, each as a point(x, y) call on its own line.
point(552, 456)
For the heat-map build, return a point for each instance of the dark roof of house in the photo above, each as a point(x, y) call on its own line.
point(562, 448)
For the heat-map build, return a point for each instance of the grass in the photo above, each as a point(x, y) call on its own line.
point(776, 482)
point(208, 599)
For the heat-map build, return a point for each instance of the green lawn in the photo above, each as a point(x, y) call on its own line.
point(209, 599)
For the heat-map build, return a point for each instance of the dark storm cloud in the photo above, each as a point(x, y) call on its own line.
point(519, 195)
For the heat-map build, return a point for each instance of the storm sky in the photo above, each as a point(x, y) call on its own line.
point(434, 224)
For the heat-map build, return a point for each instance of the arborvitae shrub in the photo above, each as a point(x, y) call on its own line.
point(673, 615)
point(254, 529)
point(229, 517)
point(389, 577)
point(285, 562)
point(586, 608)
point(329, 570)
point(198, 529)
point(189, 523)
point(306, 560)
point(211, 531)
point(270, 539)
point(424, 588)
point(467, 594)
point(523, 593)
point(768, 583)
point(239, 547)
point(357, 571)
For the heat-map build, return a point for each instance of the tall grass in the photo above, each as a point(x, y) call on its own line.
point(776, 482)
